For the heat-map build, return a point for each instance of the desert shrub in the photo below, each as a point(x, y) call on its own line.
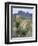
point(23, 31)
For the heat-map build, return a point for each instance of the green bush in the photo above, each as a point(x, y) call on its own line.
point(23, 31)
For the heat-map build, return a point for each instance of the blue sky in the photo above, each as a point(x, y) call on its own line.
point(15, 10)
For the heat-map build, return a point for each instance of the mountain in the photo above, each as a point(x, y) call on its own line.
point(23, 14)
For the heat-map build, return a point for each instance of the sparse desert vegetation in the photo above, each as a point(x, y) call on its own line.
point(22, 26)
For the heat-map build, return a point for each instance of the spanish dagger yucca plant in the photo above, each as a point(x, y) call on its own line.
point(17, 24)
